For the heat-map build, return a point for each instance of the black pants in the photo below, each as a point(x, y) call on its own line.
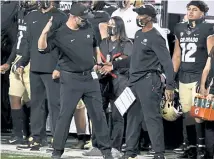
point(105, 103)
point(117, 129)
point(42, 86)
point(117, 125)
point(148, 92)
point(73, 87)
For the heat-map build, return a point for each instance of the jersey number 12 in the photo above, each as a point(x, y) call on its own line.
point(188, 49)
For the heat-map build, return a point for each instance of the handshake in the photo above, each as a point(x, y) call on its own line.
point(103, 68)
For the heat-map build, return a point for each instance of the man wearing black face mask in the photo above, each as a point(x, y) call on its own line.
point(149, 55)
point(43, 84)
point(78, 79)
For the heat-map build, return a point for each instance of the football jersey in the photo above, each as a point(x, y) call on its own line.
point(21, 29)
point(18, 43)
point(193, 44)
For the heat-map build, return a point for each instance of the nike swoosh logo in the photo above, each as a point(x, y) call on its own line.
point(72, 40)
point(34, 21)
point(143, 43)
point(12, 141)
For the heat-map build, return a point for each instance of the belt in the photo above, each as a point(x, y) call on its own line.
point(83, 73)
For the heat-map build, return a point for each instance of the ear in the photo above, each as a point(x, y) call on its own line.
point(149, 18)
point(70, 16)
point(202, 14)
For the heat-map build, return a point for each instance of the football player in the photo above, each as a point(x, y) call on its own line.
point(19, 86)
point(44, 81)
point(194, 40)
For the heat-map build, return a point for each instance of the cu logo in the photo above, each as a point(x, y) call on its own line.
point(196, 111)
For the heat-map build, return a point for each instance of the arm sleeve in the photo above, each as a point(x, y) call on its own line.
point(128, 49)
point(18, 46)
point(124, 63)
point(210, 30)
point(25, 46)
point(57, 66)
point(95, 43)
point(12, 56)
point(58, 63)
point(176, 31)
point(160, 49)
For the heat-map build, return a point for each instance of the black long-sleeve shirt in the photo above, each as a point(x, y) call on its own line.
point(21, 29)
point(150, 54)
point(76, 47)
point(35, 23)
point(9, 28)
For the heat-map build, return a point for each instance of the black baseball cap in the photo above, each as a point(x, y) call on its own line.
point(80, 10)
point(146, 10)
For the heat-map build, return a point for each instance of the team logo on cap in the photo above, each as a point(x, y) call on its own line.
point(181, 34)
point(188, 32)
point(85, 12)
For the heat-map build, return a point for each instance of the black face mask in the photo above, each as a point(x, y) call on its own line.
point(121, 4)
point(142, 22)
point(197, 21)
point(44, 4)
point(83, 23)
point(112, 30)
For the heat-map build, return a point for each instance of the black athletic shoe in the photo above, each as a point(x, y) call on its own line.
point(57, 154)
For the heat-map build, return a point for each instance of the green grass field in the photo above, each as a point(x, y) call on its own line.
point(15, 156)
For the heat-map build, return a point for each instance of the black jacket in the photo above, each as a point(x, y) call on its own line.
point(9, 28)
point(35, 23)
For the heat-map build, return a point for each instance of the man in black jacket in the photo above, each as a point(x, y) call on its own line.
point(42, 83)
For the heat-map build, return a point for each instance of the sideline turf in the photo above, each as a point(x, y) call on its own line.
point(15, 156)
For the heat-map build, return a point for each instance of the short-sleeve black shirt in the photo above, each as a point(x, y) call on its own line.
point(193, 44)
point(76, 47)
